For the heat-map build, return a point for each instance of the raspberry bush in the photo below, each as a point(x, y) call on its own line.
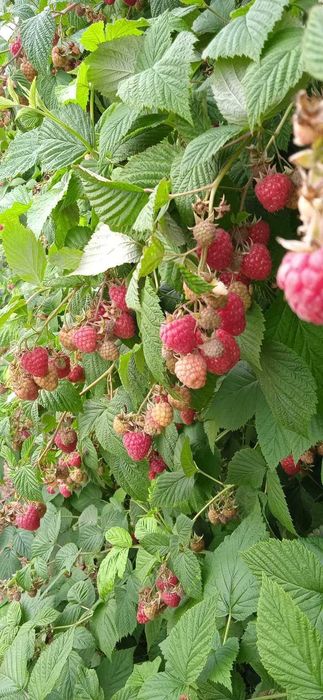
point(161, 334)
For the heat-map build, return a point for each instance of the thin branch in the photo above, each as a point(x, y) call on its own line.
point(67, 9)
point(51, 440)
point(98, 379)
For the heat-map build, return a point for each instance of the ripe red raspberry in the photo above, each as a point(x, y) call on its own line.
point(74, 460)
point(130, 3)
point(243, 292)
point(191, 370)
point(289, 466)
point(64, 490)
point(259, 232)
point(166, 579)
point(30, 519)
point(137, 445)
point(221, 353)
point(15, 47)
point(233, 318)
point(117, 294)
point(228, 277)
point(180, 335)
point(62, 365)
point(219, 254)
point(162, 414)
point(301, 277)
point(171, 598)
point(76, 374)
point(35, 362)
point(274, 191)
point(85, 339)
point(188, 416)
point(108, 351)
point(124, 326)
point(66, 439)
point(141, 615)
point(256, 264)
point(156, 464)
point(26, 389)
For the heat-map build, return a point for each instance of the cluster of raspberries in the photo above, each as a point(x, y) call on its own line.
point(167, 592)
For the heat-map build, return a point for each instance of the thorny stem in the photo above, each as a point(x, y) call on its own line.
point(98, 379)
point(214, 498)
point(277, 131)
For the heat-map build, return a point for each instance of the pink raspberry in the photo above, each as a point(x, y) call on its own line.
point(256, 264)
point(85, 339)
point(274, 191)
point(187, 416)
point(289, 466)
point(233, 318)
point(124, 326)
point(156, 464)
point(76, 374)
point(171, 598)
point(191, 370)
point(35, 362)
point(15, 47)
point(30, 519)
point(51, 489)
point(219, 253)
point(221, 353)
point(66, 440)
point(137, 444)
point(74, 460)
point(64, 490)
point(259, 232)
point(118, 292)
point(62, 365)
point(130, 3)
point(141, 615)
point(300, 275)
point(180, 335)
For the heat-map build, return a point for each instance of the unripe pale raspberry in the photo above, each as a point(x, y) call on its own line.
point(35, 362)
point(162, 413)
point(151, 427)
point(208, 318)
point(62, 365)
point(50, 382)
point(170, 359)
point(26, 389)
point(28, 70)
point(76, 374)
point(85, 339)
point(120, 425)
point(117, 294)
point(273, 191)
point(191, 370)
point(256, 264)
point(204, 233)
point(74, 460)
point(289, 466)
point(30, 519)
point(221, 353)
point(171, 598)
point(108, 351)
point(64, 490)
point(181, 334)
point(219, 254)
point(137, 445)
point(66, 439)
point(182, 398)
point(233, 319)
point(259, 232)
point(66, 338)
point(188, 416)
point(301, 277)
point(242, 291)
point(124, 326)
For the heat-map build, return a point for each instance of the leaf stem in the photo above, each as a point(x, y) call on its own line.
point(98, 379)
point(200, 471)
point(220, 177)
point(55, 312)
point(51, 440)
point(270, 697)
point(227, 627)
point(74, 624)
point(280, 126)
point(214, 498)
point(145, 399)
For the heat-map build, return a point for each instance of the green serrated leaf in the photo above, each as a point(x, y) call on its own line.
point(250, 341)
point(247, 468)
point(106, 249)
point(37, 34)
point(21, 155)
point(236, 401)
point(277, 502)
point(172, 489)
point(312, 43)
point(49, 665)
point(25, 255)
point(207, 145)
point(111, 64)
point(151, 320)
point(187, 569)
